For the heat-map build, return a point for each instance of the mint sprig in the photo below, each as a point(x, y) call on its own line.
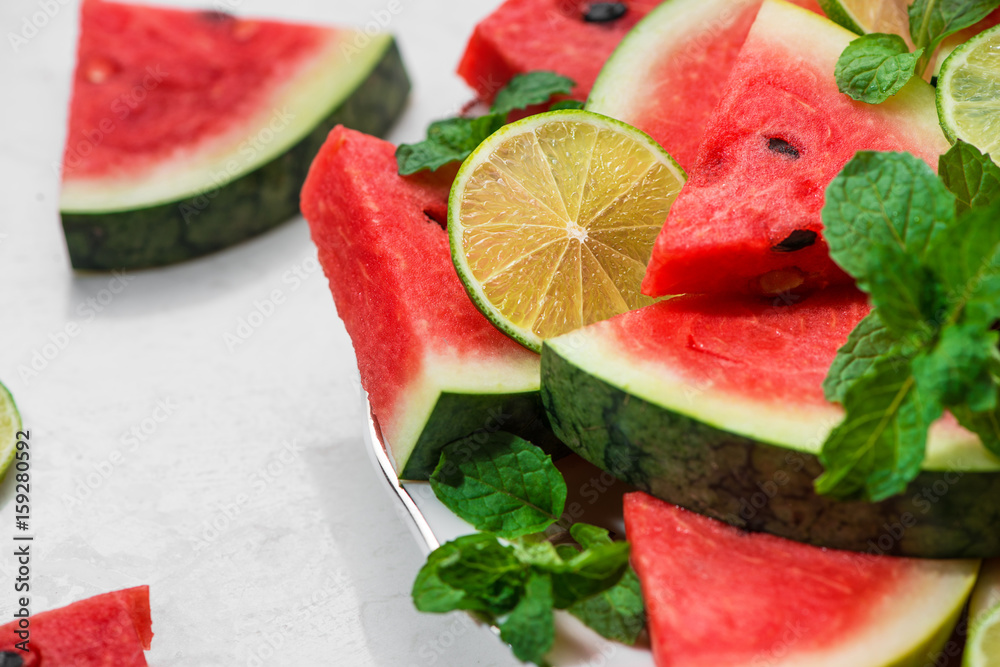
point(930, 262)
point(876, 66)
point(453, 139)
point(512, 488)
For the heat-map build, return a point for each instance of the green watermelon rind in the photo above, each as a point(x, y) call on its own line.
point(757, 485)
point(239, 209)
point(836, 13)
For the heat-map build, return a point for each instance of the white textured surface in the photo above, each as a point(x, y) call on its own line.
point(313, 555)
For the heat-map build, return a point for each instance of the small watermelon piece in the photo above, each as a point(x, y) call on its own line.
point(719, 597)
point(749, 220)
point(109, 629)
point(434, 367)
point(192, 130)
point(668, 74)
point(716, 403)
point(553, 35)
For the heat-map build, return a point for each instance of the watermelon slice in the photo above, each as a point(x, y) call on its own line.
point(555, 35)
point(719, 597)
point(192, 130)
point(668, 74)
point(716, 403)
point(109, 629)
point(749, 218)
point(434, 367)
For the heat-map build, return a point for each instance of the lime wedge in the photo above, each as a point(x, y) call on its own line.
point(968, 92)
point(864, 16)
point(983, 647)
point(552, 221)
point(10, 424)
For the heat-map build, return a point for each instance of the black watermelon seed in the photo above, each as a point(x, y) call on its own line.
point(604, 12)
point(10, 659)
point(797, 240)
point(782, 147)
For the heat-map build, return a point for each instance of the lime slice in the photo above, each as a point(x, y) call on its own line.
point(983, 648)
point(865, 16)
point(552, 221)
point(10, 424)
point(968, 92)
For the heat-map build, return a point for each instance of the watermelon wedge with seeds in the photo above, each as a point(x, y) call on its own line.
point(669, 73)
point(554, 35)
point(192, 130)
point(749, 219)
point(719, 597)
point(434, 367)
point(109, 629)
point(716, 403)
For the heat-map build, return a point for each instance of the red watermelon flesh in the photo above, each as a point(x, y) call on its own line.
point(781, 133)
point(526, 35)
point(109, 630)
point(668, 75)
point(185, 80)
point(383, 247)
point(719, 597)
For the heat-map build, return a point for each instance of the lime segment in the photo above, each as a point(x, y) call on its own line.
point(10, 424)
point(552, 221)
point(983, 648)
point(968, 92)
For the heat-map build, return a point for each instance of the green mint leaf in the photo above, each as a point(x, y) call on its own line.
point(879, 447)
point(875, 67)
point(588, 536)
point(966, 260)
point(447, 141)
point(530, 629)
point(869, 339)
point(525, 90)
point(972, 177)
point(933, 20)
point(505, 485)
point(619, 613)
point(566, 104)
point(956, 369)
point(474, 573)
point(883, 199)
point(537, 551)
point(985, 424)
point(589, 572)
point(903, 291)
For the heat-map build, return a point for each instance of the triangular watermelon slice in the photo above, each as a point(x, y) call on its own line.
point(668, 74)
point(434, 367)
point(109, 629)
point(719, 597)
point(554, 35)
point(192, 130)
point(748, 220)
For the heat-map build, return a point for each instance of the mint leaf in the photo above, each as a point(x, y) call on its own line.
point(506, 485)
point(525, 90)
point(869, 339)
point(429, 593)
point(903, 290)
point(956, 369)
point(933, 20)
point(447, 141)
point(589, 536)
point(530, 629)
point(972, 177)
point(883, 199)
point(879, 447)
point(985, 424)
point(966, 259)
point(566, 104)
point(590, 572)
point(875, 67)
point(618, 613)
